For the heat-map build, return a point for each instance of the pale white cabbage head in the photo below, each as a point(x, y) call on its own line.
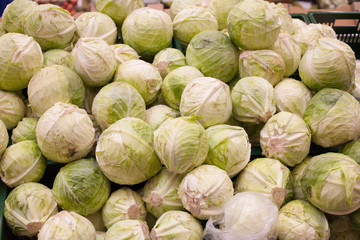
point(15, 13)
point(128, 229)
point(292, 96)
point(287, 47)
point(253, 100)
point(124, 53)
point(328, 63)
point(168, 60)
point(297, 25)
point(204, 190)
point(208, 99)
point(285, 19)
point(67, 225)
point(229, 148)
point(12, 109)
point(192, 20)
point(51, 26)
point(21, 58)
point(160, 193)
point(94, 61)
point(143, 76)
point(54, 84)
point(28, 207)
point(246, 216)
point(123, 204)
point(300, 220)
point(65, 133)
point(96, 24)
point(57, 57)
point(158, 114)
point(181, 144)
point(148, 31)
point(268, 176)
point(331, 182)
point(177, 225)
point(285, 137)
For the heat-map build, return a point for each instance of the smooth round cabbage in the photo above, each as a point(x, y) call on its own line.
point(290, 52)
point(55, 84)
point(22, 163)
point(118, 9)
point(124, 53)
point(128, 229)
point(268, 176)
point(125, 152)
point(148, 31)
point(179, 5)
point(21, 58)
point(96, 24)
point(81, 187)
point(285, 137)
point(143, 76)
point(191, 21)
point(175, 82)
point(333, 117)
point(57, 57)
point(94, 60)
point(168, 60)
point(115, 101)
point(181, 144)
point(229, 148)
point(161, 193)
point(253, 100)
point(65, 133)
point(213, 53)
point(67, 225)
point(123, 204)
point(204, 190)
point(247, 215)
point(308, 34)
point(177, 225)
point(15, 13)
point(221, 9)
point(27, 208)
point(12, 109)
point(208, 99)
point(4, 138)
point(262, 63)
point(343, 227)
point(292, 96)
point(300, 220)
point(352, 149)
point(328, 63)
point(51, 26)
point(254, 24)
point(297, 173)
point(297, 24)
point(331, 182)
point(158, 114)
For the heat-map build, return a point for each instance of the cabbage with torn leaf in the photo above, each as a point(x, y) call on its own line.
point(94, 60)
point(229, 148)
point(65, 133)
point(143, 76)
point(208, 99)
point(115, 101)
point(125, 152)
point(328, 63)
point(168, 60)
point(55, 83)
point(268, 176)
point(128, 229)
point(177, 225)
point(123, 204)
point(12, 109)
point(96, 24)
point(15, 14)
point(253, 100)
point(333, 117)
point(67, 225)
point(158, 114)
point(204, 190)
point(22, 163)
point(292, 96)
point(124, 53)
point(51, 26)
point(57, 57)
point(21, 58)
point(330, 182)
point(28, 207)
point(148, 31)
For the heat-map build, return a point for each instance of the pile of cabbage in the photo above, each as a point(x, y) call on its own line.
point(108, 132)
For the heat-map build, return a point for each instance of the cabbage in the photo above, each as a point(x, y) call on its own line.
point(168, 60)
point(124, 53)
point(12, 109)
point(57, 57)
point(15, 14)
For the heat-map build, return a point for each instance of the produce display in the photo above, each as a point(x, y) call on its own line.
point(224, 120)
